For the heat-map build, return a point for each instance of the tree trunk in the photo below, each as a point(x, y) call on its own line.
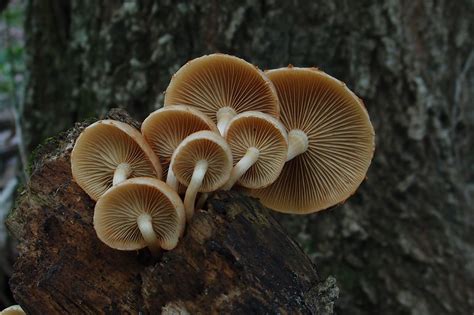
point(234, 258)
point(403, 243)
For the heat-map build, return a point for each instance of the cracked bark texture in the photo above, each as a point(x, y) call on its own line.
point(403, 243)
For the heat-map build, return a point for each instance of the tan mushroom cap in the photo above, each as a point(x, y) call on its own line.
point(165, 128)
point(13, 310)
point(265, 134)
point(105, 147)
point(222, 82)
point(118, 211)
point(340, 142)
point(208, 146)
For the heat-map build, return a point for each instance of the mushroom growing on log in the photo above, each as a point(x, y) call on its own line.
point(259, 146)
point(108, 152)
point(222, 86)
point(202, 162)
point(140, 212)
point(166, 128)
point(233, 259)
point(330, 142)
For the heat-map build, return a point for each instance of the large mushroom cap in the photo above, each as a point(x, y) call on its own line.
point(340, 142)
point(165, 128)
point(105, 146)
point(265, 134)
point(118, 210)
point(222, 82)
point(203, 146)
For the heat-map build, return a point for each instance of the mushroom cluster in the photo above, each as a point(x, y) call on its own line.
point(296, 138)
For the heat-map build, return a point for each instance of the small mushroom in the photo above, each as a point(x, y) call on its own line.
point(259, 147)
point(331, 142)
point(13, 310)
point(108, 152)
point(165, 128)
point(203, 162)
point(222, 86)
point(140, 212)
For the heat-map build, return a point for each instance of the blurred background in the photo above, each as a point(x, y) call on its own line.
point(404, 243)
point(13, 155)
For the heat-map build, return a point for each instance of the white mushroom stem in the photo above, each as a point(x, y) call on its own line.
point(171, 179)
point(224, 115)
point(196, 181)
point(146, 228)
point(249, 159)
point(297, 143)
point(122, 172)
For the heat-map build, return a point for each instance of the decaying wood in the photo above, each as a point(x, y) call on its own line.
point(234, 257)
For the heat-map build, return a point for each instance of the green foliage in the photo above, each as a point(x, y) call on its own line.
point(12, 55)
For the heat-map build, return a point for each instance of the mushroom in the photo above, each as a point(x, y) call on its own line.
point(140, 212)
point(203, 162)
point(259, 145)
point(164, 129)
point(222, 86)
point(331, 142)
point(13, 310)
point(108, 152)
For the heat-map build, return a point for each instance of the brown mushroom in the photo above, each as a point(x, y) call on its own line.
point(165, 128)
point(259, 147)
point(331, 142)
point(222, 86)
point(140, 212)
point(108, 152)
point(203, 162)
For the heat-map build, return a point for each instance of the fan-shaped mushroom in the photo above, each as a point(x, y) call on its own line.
point(259, 147)
point(331, 142)
point(165, 128)
point(203, 162)
point(140, 212)
point(222, 86)
point(108, 152)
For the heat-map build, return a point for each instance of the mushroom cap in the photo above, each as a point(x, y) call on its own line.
point(214, 81)
point(340, 136)
point(165, 128)
point(268, 135)
point(203, 145)
point(116, 213)
point(13, 310)
point(104, 145)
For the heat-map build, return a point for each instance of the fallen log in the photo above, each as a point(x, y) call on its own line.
point(234, 258)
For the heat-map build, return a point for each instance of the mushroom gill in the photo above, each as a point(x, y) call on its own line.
point(334, 147)
point(263, 141)
point(108, 152)
point(122, 213)
point(222, 86)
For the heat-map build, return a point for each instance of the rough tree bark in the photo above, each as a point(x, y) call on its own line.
point(403, 244)
point(234, 258)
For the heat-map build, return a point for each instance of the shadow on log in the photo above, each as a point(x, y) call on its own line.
point(233, 259)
